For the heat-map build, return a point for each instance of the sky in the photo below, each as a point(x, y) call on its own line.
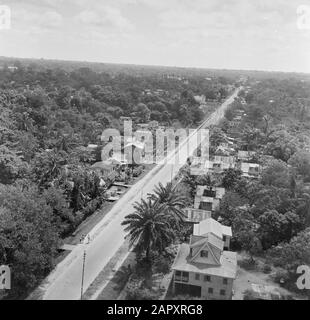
point(225, 34)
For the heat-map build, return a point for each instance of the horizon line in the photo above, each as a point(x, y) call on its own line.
point(155, 65)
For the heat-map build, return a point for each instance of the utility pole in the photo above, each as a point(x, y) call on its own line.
point(84, 258)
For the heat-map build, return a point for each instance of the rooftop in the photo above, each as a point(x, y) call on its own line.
point(245, 166)
point(227, 269)
point(196, 215)
point(210, 225)
point(219, 192)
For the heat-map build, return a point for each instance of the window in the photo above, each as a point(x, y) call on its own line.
point(204, 253)
point(197, 276)
point(224, 238)
point(207, 206)
point(178, 275)
point(209, 193)
point(225, 281)
point(210, 290)
point(207, 278)
point(222, 292)
point(181, 276)
point(185, 276)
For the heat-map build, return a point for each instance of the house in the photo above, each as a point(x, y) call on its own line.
point(208, 198)
point(196, 215)
point(202, 269)
point(245, 155)
point(250, 170)
point(221, 163)
point(224, 159)
point(209, 225)
point(107, 169)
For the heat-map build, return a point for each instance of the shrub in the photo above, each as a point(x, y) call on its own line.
point(248, 295)
point(134, 292)
point(248, 264)
point(267, 268)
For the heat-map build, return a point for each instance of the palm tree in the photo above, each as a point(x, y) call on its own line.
point(173, 201)
point(148, 227)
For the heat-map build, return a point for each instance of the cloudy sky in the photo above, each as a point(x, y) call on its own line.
point(232, 34)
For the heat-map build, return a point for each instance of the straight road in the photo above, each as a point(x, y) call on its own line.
point(64, 283)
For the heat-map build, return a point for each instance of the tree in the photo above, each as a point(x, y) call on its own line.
point(277, 174)
point(142, 111)
point(48, 165)
point(276, 227)
point(251, 138)
point(217, 137)
point(294, 253)
point(229, 115)
point(62, 217)
point(28, 238)
point(228, 205)
point(10, 165)
point(173, 201)
point(254, 114)
point(148, 227)
point(282, 145)
point(245, 232)
point(230, 178)
point(301, 162)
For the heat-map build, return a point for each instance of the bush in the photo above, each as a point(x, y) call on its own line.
point(248, 264)
point(134, 292)
point(282, 276)
point(267, 268)
point(248, 295)
point(137, 171)
point(92, 206)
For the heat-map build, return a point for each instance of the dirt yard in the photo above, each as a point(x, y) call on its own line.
point(246, 277)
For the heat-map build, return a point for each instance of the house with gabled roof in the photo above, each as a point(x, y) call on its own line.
point(203, 269)
point(209, 225)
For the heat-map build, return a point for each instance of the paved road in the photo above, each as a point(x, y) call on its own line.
point(108, 235)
